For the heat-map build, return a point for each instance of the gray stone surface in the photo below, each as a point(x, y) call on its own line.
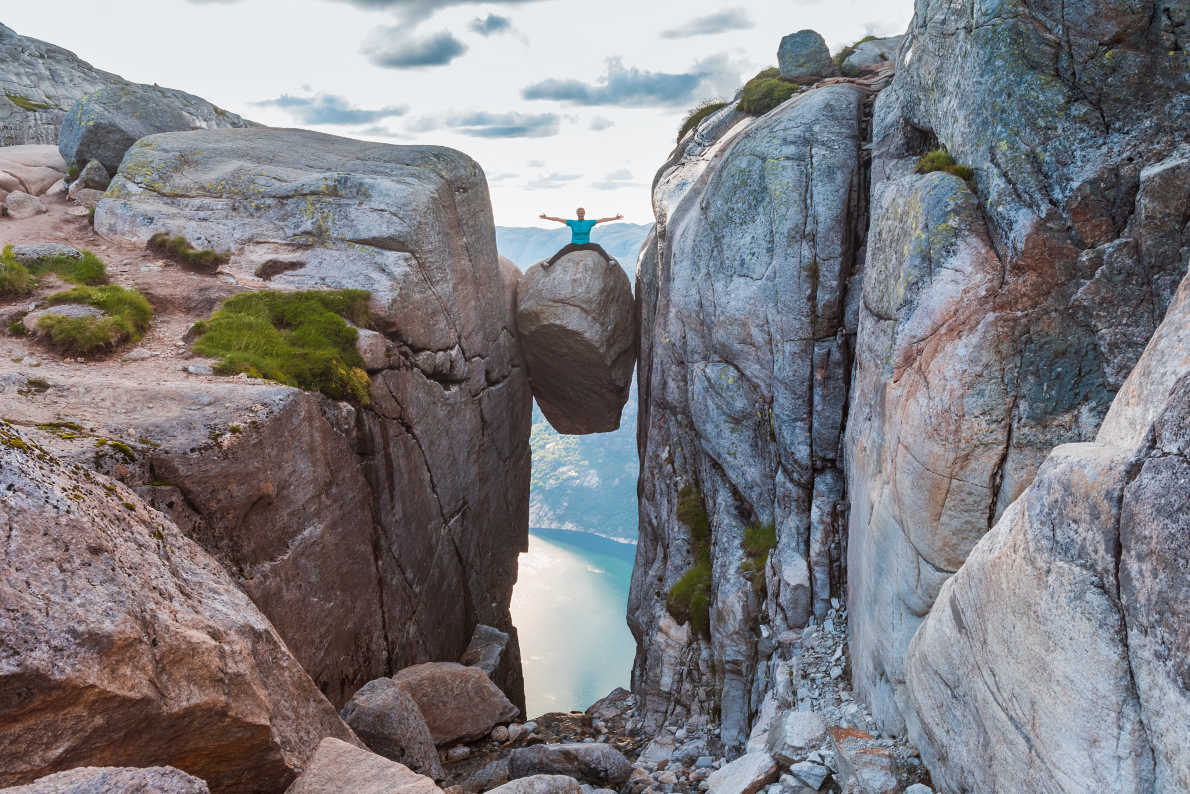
point(47, 80)
point(810, 773)
point(109, 780)
point(577, 327)
point(999, 318)
point(540, 784)
point(32, 319)
point(1072, 603)
point(103, 126)
point(340, 767)
point(437, 506)
point(747, 774)
point(32, 253)
point(126, 640)
point(590, 762)
point(795, 734)
point(20, 205)
point(743, 368)
point(388, 720)
point(803, 57)
point(870, 55)
point(93, 176)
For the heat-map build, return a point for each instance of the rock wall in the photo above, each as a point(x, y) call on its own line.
point(1058, 637)
point(373, 536)
point(123, 643)
point(39, 83)
point(1000, 315)
point(744, 362)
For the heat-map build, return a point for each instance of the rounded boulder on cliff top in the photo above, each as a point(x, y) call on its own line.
point(81, 780)
point(592, 762)
point(458, 703)
point(577, 325)
point(104, 125)
point(804, 57)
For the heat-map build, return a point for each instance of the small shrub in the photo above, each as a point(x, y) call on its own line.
point(940, 160)
point(697, 115)
point(15, 279)
point(126, 318)
point(759, 540)
point(73, 171)
point(765, 91)
point(25, 103)
point(689, 600)
point(17, 328)
point(297, 338)
point(178, 249)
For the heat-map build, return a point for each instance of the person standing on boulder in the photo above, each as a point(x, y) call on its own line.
point(580, 235)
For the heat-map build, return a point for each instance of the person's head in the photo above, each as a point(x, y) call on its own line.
point(580, 213)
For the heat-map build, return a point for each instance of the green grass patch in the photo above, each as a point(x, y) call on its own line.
point(759, 540)
point(126, 318)
point(297, 338)
point(15, 279)
point(940, 160)
point(689, 600)
point(845, 53)
point(178, 249)
point(25, 103)
point(64, 430)
point(697, 115)
point(18, 279)
point(765, 91)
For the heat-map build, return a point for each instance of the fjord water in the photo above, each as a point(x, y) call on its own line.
point(569, 608)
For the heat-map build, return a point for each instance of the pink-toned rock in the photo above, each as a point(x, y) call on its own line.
point(126, 780)
point(459, 703)
point(340, 767)
point(123, 643)
point(30, 168)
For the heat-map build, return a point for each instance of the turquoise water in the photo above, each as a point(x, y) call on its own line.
point(569, 606)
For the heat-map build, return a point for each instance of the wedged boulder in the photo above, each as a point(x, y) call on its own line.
point(487, 651)
point(1064, 617)
point(103, 126)
point(125, 780)
point(388, 720)
point(129, 645)
point(591, 762)
point(872, 54)
point(540, 784)
point(803, 57)
point(32, 169)
point(340, 767)
point(459, 703)
point(576, 322)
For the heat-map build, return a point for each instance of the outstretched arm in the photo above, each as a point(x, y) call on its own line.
point(545, 217)
point(606, 220)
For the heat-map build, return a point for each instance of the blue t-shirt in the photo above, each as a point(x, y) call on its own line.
point(580, 231)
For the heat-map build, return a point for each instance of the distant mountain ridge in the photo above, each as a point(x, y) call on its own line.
point(528, 245)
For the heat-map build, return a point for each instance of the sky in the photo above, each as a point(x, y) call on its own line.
point(563, 103)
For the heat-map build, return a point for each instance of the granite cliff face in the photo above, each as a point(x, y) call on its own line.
point(39, 83)
point(995, 304)
point(744, 363)
point(373, 536)
point(1000, 315)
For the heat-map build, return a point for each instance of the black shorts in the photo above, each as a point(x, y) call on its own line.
point(580, 247)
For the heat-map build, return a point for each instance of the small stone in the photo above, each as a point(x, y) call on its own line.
point(21, 205)
point(834, 603)
point(140, 354)
point(680, 735)
point(667, 777)
point(748, 774)
point(499, 734)
point(919, 788)
point(458, 753)
point(89, 198)
point(809, 773)
point(704, 762)
point(93, 176)
point(199, 369)
point(515, 731)
point(529, 727)
point(150, 268)
point(836, 672)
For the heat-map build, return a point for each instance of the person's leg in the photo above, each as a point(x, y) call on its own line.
point(566, 249)
point(599, 249)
